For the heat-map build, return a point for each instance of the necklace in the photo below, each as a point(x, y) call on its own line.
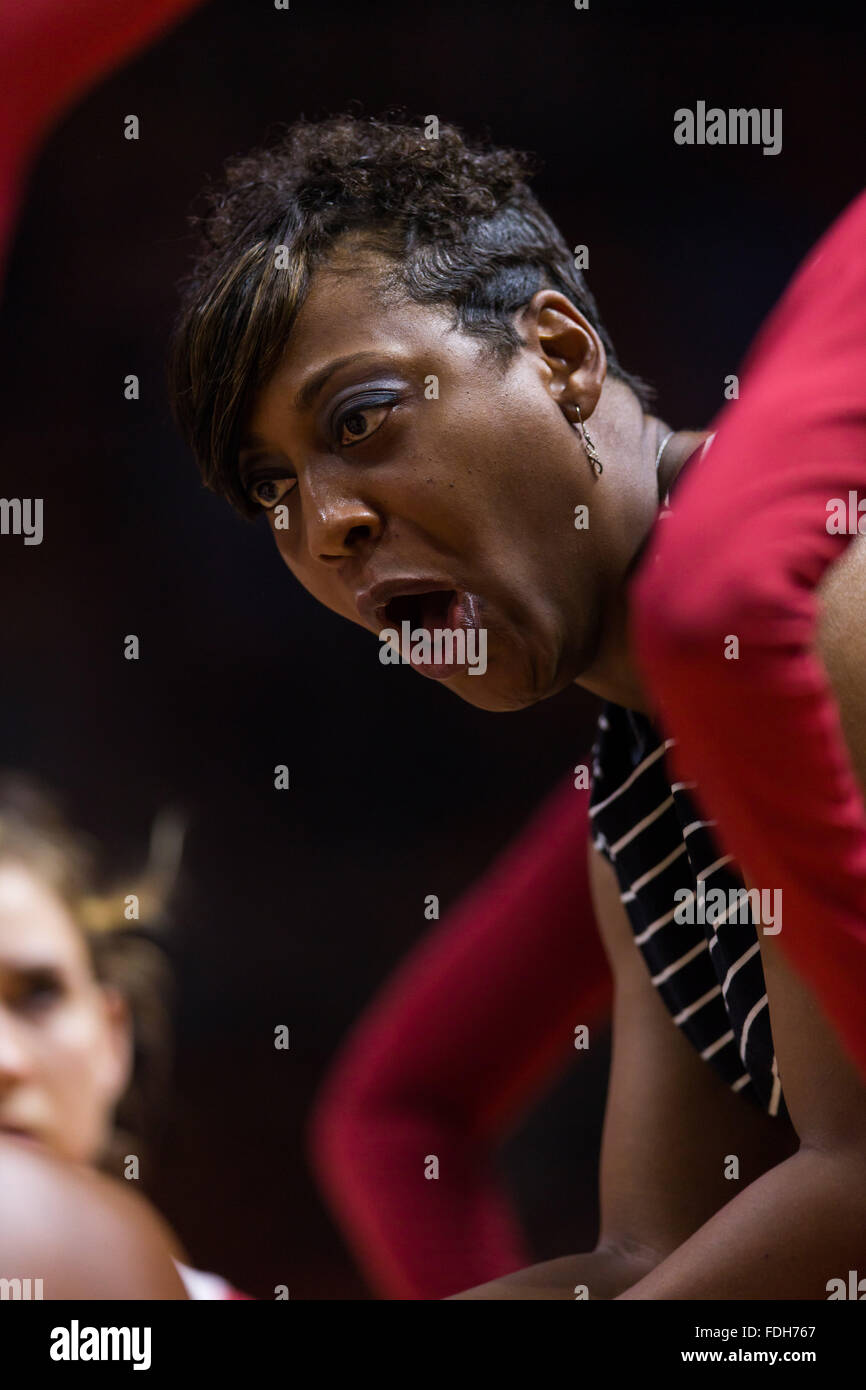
point(665, 501)
point(668, 437)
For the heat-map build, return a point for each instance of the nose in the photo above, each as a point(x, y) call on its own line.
point(13, 1053)
point(337, 522)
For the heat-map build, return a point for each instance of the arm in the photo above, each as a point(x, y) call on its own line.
point(472, 1025)
point(669, 1124)
point(743, 553)
point(797, 1217)
point(804, 1222)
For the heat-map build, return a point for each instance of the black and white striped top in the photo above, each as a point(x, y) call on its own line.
point(710, 977)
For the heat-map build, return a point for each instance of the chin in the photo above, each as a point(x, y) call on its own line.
point(496, 693)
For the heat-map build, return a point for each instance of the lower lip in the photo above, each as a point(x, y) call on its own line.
point(462, 616)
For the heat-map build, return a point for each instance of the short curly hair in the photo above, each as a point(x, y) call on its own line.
point(457, 220)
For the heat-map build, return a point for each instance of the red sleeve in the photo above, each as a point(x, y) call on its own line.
point(742, 554)
point(470, 1027)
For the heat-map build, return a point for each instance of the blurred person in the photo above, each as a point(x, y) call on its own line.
point(767, 543)
point(50, 54)
point(438, 1065)
point(84, 1018)
point(384, 346)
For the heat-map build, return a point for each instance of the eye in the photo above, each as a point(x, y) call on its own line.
point(359, 423)
point(37, 992)
point(268, 492)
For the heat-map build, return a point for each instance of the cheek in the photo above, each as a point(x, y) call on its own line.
point(77, 1076)
point(287, 549)
point(282, 540)
point(505, 468)
point(72, 1052)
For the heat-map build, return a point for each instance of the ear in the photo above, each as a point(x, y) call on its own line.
point(118, 1049)
point(569, 352)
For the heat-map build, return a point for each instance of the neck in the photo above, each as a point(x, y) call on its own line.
point(678, 449)
point(614, 674)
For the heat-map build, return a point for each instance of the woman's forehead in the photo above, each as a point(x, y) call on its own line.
point(36, 927)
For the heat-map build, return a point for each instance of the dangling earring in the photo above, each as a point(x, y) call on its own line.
point(587, 443)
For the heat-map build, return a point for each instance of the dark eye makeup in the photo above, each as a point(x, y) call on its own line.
point(278, 484)
point(356, 406)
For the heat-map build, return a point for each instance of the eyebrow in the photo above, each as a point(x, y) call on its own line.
point(31, 968)
point(308, 391)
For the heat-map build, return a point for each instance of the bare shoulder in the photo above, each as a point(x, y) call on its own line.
point(82, 1234)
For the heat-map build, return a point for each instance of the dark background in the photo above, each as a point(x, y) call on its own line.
point(297, 905)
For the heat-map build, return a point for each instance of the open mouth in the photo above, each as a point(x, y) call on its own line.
point(437, 629)
point(421, 611)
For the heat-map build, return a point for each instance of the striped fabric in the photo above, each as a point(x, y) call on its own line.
point(710, 977)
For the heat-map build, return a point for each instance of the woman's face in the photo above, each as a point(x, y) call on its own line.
point(65, 1050)
point(421, 483)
